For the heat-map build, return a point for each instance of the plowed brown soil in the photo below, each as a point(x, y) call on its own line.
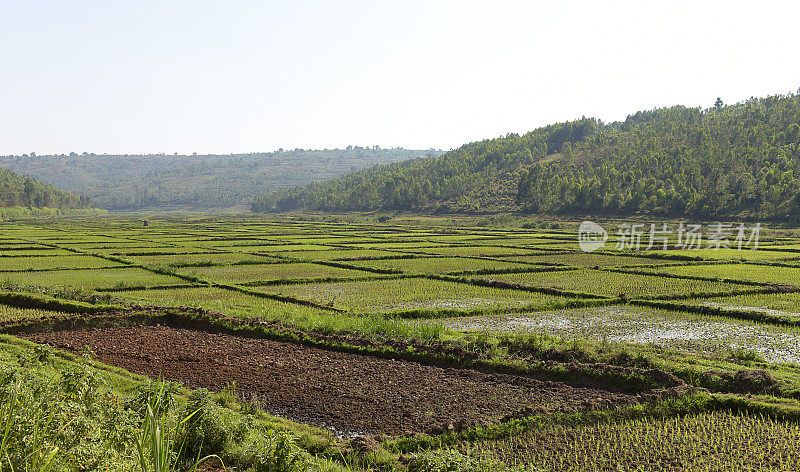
point(349, 392)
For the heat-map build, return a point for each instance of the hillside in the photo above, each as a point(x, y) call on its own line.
point(21, 191)
point(160, 181)
point(728, 161)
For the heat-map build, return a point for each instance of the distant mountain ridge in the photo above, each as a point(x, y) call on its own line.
point(22, 191)
point(741, 160)
point(160, 181)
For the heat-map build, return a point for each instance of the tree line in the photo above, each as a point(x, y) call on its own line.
point(157, 181)
point(739, 160)
point(22, 191)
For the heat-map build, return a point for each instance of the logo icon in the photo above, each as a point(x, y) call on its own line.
point(591, 236)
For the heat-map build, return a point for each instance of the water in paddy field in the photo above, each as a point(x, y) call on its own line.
point(647, 326)
point(759, 309)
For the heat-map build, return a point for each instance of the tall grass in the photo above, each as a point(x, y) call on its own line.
point(157, 445)
point(30, 453)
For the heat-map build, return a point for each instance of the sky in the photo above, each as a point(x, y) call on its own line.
point(253, 76)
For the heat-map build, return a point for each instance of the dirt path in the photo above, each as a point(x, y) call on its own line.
point(347, 391)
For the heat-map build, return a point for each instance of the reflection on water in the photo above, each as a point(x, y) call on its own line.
point(647, 326)
point(759, 309)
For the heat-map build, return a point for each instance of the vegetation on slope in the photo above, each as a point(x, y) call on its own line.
point(727, 161)
point(132, 182)
point(21, 191)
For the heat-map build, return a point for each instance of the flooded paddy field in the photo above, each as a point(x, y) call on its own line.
point(650, 326)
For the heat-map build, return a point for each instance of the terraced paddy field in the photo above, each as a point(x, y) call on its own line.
point(381, 346)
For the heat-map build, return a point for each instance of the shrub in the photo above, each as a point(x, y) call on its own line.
point(211, 427)
point(58, 417)
point(280, 454)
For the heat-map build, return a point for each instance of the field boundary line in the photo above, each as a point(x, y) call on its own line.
point(321, 280)
point(276, 296)
point(431, 314)
point(133, 288)
point(515, 286)
point(374, 270)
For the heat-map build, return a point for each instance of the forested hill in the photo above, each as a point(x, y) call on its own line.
point(21, 191)
point(161, 181)
point(726, 161)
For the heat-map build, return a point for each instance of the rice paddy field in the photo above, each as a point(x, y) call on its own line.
point(432, 341)
point(415, 294)
point(439, 265)
point(611, 284)
point(768, 274)
point(778, 304)
point(263, 274)
point(711, 335)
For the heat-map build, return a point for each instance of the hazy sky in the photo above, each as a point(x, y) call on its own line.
point(239, 76)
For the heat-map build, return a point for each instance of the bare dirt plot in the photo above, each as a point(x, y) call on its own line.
point(347, 391)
